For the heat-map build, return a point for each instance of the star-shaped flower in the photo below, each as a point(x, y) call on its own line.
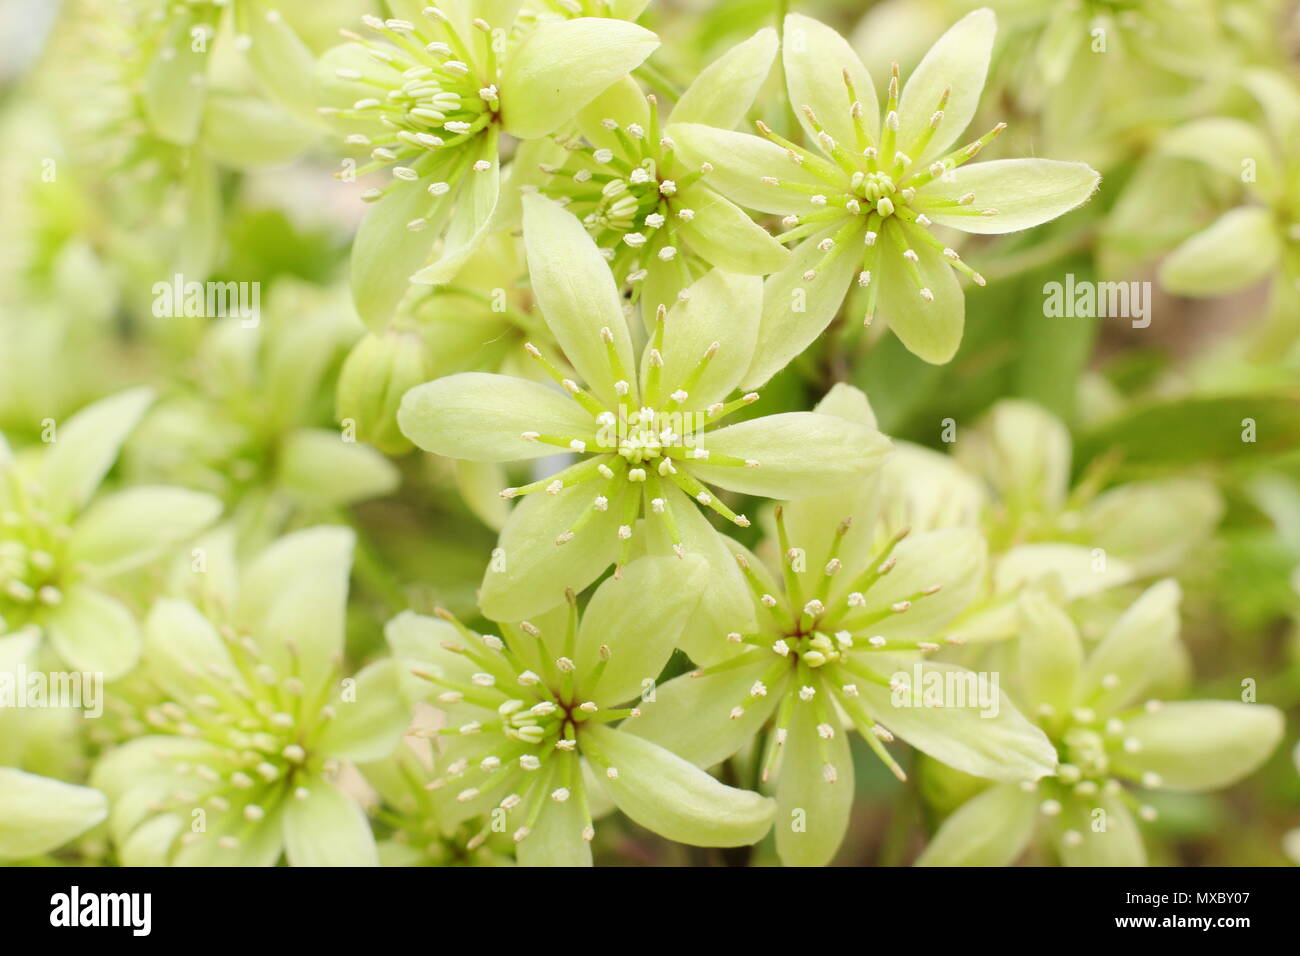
point(653, 214)
point(247, 718)
point(863, 204)
point(837, 645)
point(1108, 738)
point(644, 433)
point(61, 543)
point(530, 738)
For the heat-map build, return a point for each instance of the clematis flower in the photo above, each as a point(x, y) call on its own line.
point(865, 206)
point(1109, 739)
point(1258, 240)
point(530, 735)
point(654, 215)
point(1022, 454)
point(249, 424)
point(61, 544)
point(433, 89)
point(853, 608)
point(647, 443)
point(250, 718)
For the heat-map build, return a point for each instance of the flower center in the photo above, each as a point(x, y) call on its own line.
point(31, 548)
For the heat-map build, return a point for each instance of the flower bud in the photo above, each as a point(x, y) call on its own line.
point(376, 374)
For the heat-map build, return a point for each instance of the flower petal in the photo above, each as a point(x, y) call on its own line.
point(930, 328)
point(726, 237)
point(1024, 193)
point(813, 795)
point(1117, 843)
point(991, 829)
point(796, 310)
point(385, 253)
point(740, 161)
point(816, 59)
point(1200, 744)
point(476, 206)
point(176, 80)
point(730, 606)
point(319, 466)
point(958, 62)
point(674, 798)
point(1051, 657)
point(798, 453)
point(1229, 146)
point(38, 814)
point(180, 642)
point(691, 716)
point(1132, 648)
point(724, 90)
point(637, 618)
point(371, 718)
point(529, 572)
point(326, 828)
point(480, 417)
point(124, 530)
point(1234, 252)
point(576, 293)
point(556, 838)
point(980, 733)
point(723, 311)
point(86, 446)
point(94, 632)
point(560, 68)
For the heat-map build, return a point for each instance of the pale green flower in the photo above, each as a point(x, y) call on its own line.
point(248, 718)
point(253, 422)
point(647, 441)
point(1022, 453)
point(530, 741)
point(432, 90)
point(653, 214)
point(61, 543)
point(865, 207)
point(38, 815)
point(1109, 739)
point(854, 607)
point(1258, 240)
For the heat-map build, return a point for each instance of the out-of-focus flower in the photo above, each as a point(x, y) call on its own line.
point(1260, 240)
point(643, 438)
point(1089, 705)
point(866, 205)
point(61, 543)
point(529, 735)
point(248, 718)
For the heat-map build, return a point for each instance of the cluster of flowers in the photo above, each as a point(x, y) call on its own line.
point(577, 282)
